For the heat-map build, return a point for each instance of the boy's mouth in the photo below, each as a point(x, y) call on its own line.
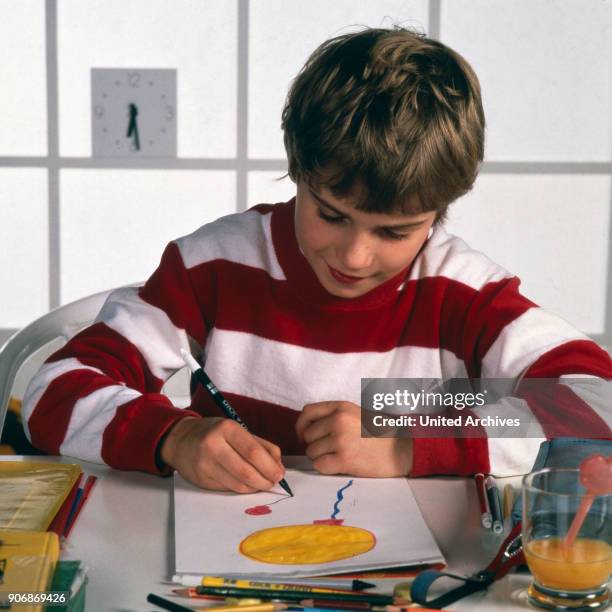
point(344, 278)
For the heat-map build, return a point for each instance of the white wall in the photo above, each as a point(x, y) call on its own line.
point(71, 225)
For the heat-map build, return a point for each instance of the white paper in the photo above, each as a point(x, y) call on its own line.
point(209, 525)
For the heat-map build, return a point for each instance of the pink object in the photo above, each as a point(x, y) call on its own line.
point(596, 478)
point(329, 521)
point(596, 474)
point(258, 510)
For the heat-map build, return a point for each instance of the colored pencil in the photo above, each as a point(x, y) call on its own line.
point(217, 581)
point(374, 599)
point(82, 496)
point(262, 607)
point(58, 524)
point(72, 514)
point(335, 582)
point(305, 603)
point(336, 605)
point(409, 608)
point(191, 592)
point(217, 396)
point(328, 608)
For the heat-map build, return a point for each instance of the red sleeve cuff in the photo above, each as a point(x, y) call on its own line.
point(450, 456)
point(131, 439)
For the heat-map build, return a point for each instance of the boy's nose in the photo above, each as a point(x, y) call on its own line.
point(355, 254)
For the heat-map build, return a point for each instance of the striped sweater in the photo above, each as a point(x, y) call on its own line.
point(239, 294)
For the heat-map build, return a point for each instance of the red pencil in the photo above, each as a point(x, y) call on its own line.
point(89, 484)
point(486, 517)
point(58, 524)
point(336, 605)
point(191, 592)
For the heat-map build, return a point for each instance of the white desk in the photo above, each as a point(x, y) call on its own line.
point(124, 536)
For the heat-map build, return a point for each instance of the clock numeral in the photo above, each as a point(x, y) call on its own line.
point(134, 79)
point(99, 110)
point(169, 113)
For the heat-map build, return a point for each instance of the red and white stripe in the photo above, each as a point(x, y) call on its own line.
point(230, 293)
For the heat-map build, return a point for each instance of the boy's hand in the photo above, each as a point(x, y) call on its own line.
point(216, 453)
point(332, 434)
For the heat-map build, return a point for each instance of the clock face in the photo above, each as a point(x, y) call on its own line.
point(133, 112)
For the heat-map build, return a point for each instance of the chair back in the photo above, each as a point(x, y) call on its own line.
point(61, 323)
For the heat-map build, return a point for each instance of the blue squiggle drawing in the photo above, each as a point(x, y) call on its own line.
point(340, 498)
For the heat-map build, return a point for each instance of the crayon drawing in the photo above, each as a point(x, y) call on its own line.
point(264, 508)
point(334, 524)
point(324, 541)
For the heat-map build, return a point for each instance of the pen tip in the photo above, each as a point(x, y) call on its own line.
point(360, 585)
point(283, 483)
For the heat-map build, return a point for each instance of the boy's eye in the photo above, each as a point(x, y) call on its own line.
point(385, 233)
point(329, 218)
point(389, 234)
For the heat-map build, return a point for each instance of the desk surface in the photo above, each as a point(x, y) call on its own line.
point(124, 536)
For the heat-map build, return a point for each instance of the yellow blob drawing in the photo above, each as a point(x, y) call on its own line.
point(307, 544)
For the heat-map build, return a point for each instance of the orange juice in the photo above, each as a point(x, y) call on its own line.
point(586, 564)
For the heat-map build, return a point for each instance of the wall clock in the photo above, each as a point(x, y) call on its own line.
point(133, 112)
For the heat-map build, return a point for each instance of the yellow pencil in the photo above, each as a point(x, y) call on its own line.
point(217, 581)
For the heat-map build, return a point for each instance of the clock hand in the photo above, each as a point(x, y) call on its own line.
point(133, 126)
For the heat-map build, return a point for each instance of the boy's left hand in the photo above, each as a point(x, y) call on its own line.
point(332, 434)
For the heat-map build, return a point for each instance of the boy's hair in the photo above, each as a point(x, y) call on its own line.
point(391, 112)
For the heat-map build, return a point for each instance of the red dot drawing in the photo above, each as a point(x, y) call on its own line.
point(258, 510)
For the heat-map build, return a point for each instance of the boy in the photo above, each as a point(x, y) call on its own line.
point(290, 305)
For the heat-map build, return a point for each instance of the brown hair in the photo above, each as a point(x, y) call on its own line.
point(392, 111)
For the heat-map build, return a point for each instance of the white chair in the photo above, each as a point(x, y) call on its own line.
point(61, 323)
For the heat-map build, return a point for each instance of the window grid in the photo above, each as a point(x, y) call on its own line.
point(53, 161)
point(241, 164)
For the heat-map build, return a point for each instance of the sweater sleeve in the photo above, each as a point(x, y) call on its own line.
point(508, 338)
point(98, 398)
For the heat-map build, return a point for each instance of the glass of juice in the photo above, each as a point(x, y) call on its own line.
point(573, 577)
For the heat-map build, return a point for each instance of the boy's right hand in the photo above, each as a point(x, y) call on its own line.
point(217, 453)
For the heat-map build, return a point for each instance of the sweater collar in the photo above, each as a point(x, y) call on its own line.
point(301, 277)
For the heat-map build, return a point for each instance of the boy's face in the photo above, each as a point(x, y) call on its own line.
point(351, 251)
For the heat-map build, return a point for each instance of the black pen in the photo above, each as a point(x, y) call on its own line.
point(166, 604)
point(495, 504)
point(229, 412)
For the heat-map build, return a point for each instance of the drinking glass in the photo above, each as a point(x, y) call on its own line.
point(565, 578)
